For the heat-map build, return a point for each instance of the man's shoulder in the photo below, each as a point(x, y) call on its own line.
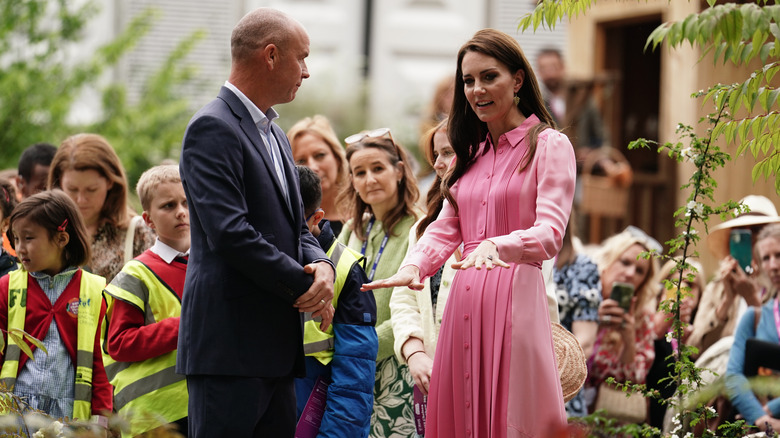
point(217, 107)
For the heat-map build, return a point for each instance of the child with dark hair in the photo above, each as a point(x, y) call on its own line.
point(7, 204)
point(56, 301)
point(344, 355)
point(33, 168)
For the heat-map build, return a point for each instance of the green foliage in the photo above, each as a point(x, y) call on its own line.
point(38, 79)
point(150, 130)
point(39, 83)
point(549, 12)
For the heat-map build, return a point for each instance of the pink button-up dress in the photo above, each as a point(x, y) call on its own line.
point(494, 372)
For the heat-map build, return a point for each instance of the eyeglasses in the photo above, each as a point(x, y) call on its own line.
point(376, 133)
point(644, 238)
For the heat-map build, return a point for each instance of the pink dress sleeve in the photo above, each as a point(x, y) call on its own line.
point(555, 173)
point(438, 243)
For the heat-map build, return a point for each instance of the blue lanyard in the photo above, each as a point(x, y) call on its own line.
point(378, 254)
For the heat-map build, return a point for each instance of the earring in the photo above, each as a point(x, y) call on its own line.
point(517, 100)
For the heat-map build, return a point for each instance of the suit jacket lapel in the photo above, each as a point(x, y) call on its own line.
point(290, 172)
point(250, 129)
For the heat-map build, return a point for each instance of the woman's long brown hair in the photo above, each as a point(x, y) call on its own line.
point(465, 129)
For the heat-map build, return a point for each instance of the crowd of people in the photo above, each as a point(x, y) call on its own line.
point(254, 297)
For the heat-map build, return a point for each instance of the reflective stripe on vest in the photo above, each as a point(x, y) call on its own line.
point(317, 343)
point(90, 300)
point(150, 386)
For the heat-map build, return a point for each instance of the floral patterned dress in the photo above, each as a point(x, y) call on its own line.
point(578, 290)
point(108, 248)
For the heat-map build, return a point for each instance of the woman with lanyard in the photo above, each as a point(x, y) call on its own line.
point(381, 200)
point(764, 325)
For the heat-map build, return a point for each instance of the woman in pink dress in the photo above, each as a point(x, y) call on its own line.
point(510, 194)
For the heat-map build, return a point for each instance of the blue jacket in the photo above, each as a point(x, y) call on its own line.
point(351, 373)
point(7, 262)
point(736, 383)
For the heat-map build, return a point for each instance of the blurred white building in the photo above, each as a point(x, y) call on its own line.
point(397, 49)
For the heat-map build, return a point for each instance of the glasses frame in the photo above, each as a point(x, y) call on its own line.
point(374, 133)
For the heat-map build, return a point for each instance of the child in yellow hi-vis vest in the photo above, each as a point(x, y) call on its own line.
point(143, 319)
point(59, 304)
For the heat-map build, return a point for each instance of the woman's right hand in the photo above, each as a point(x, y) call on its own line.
point(766, 420)
point(611, 314)
point(421, 367)
point(408, 276)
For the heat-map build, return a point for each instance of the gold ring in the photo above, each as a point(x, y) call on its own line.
point(322, 302)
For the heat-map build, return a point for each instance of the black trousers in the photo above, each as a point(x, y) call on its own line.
point(238, 407)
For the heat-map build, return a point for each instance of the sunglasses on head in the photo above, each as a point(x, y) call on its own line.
point(376, 133)
point(644, 238)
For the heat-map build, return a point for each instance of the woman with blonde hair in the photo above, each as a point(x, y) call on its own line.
point(381, 202)
point(624, 344)
point(691, 287)
point(88, 169)
point(315, 145)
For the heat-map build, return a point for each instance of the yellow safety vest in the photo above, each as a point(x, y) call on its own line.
point(90, 299)
point(147, 391)
point(317, 343)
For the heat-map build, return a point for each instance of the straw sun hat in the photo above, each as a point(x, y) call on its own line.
point(571, 361)
point(762, 211)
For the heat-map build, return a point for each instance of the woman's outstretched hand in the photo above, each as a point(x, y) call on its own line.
point(485, 254)
point(408, 276)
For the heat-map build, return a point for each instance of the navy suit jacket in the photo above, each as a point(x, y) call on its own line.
point(247, 253)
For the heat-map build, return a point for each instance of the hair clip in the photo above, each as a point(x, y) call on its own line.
point(63, 226)
point(7, 197)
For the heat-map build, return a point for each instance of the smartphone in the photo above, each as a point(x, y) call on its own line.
point(741, 248)
point(622, 293)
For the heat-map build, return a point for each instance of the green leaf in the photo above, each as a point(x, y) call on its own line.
point(33, 340)
point(20, 342)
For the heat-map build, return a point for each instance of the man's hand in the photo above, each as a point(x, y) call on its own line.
point(318, 298)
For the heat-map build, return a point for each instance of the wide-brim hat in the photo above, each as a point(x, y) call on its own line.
point(762, 211)
point(572, 368)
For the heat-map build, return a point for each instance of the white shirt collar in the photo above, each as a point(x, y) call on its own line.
point(260, 119)
point(166, 252)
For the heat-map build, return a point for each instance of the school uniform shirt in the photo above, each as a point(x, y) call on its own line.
point(48, 381)
point(129, 338)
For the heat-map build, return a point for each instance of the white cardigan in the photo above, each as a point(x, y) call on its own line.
point(411, 312)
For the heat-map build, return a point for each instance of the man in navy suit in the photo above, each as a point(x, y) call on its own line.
point(253, 266)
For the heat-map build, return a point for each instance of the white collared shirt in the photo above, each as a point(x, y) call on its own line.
point(166, 252)
point(263, 122)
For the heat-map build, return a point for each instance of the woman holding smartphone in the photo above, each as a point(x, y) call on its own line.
point(624, 343)
point(762, 324)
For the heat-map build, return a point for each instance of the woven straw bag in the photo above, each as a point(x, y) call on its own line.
point(620, 405)
point(572, 368)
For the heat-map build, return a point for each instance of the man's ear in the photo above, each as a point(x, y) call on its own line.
point(270, 55)
point(147, 219)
